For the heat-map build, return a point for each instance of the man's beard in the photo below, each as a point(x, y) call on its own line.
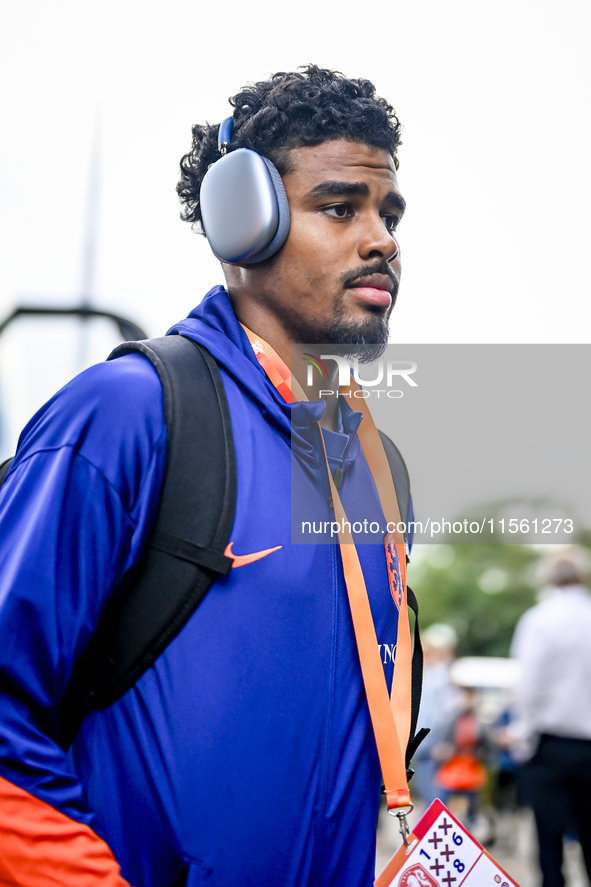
point(369, 333)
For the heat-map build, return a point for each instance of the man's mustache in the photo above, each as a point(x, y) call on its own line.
point(382, 267)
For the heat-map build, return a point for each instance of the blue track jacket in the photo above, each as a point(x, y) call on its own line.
point(245, 754)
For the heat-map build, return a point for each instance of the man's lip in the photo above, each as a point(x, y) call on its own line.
point(375, 289)
point(371, 295)
point(374, 281)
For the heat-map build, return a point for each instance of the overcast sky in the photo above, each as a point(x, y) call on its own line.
point(494, 166)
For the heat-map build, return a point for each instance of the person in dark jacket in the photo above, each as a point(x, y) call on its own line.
point(245, 753)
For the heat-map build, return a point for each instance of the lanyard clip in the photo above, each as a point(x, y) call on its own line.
point(404, 827)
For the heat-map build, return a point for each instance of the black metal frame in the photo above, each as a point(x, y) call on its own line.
point(129, 331)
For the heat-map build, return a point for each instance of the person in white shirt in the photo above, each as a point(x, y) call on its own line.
point(552, 642)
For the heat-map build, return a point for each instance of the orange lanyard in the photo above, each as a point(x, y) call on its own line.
point(390, 717)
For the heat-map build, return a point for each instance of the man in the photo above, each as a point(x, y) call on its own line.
point(245, 753)
point(554, 703)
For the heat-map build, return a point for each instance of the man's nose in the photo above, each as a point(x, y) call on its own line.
point(378, 242)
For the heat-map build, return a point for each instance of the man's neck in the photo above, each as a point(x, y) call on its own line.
point(292, 354)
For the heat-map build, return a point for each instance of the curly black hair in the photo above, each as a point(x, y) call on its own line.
point(290, 110)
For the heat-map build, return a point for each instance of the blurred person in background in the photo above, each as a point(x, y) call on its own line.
point(552, 642)
point(506, 797)
point(440, 702)
point(462, 754)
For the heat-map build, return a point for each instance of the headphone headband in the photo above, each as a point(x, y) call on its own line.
point(225, 135)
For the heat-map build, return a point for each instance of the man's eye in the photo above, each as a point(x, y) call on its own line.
point(391, 223)
point(339, 210)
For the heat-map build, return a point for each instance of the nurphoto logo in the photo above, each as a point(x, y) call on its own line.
point(382, 372)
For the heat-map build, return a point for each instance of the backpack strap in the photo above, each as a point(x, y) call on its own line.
point(186, 550)
point(399, 476)
point(402, 487)
point(5, 468)
point(415, 738)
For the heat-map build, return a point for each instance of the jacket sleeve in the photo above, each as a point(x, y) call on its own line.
point(75, 512)
point(40, 847)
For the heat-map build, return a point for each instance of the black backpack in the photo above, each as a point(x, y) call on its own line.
point(186, 550)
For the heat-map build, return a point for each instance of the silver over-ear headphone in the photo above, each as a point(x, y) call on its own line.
point(244, 206)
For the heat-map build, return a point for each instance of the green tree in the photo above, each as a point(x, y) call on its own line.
point(481, 590)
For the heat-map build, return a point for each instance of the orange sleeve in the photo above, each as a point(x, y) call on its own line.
point(41, 847)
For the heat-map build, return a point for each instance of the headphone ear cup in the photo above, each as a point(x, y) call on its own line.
point(244, 208)
point(283, 213)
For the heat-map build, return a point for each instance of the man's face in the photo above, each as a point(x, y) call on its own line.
point(336, 278)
